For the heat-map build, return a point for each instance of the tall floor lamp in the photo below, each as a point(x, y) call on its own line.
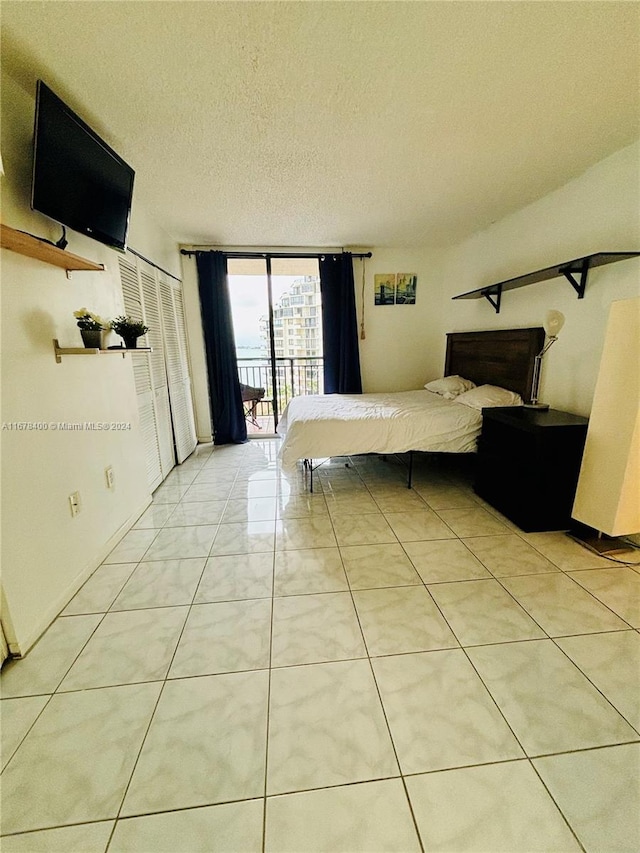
point(608, 495)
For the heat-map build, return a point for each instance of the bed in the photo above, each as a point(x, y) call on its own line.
point(319, 427)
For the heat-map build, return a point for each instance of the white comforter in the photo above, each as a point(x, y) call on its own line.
point(315, 427)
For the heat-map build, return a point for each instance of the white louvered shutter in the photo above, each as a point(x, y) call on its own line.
point(153, 319)
point(163, 384)
point(142, 377)
point(176, 354)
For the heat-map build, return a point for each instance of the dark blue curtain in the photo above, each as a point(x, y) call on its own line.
point(227, 414)
point(339, 325)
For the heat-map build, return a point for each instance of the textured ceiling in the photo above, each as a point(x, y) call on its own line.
point(348, 123)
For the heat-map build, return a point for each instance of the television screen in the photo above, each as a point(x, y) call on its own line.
point(78, 180)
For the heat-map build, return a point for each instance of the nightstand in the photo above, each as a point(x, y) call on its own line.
point(528, 465)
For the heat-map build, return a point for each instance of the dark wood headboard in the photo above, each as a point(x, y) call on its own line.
point(503, 357)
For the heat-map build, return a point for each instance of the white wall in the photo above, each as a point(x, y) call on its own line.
point(47, 554)
point(597, 212)
point(401, 350)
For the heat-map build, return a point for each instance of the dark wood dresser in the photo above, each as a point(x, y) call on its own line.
point(528, 465)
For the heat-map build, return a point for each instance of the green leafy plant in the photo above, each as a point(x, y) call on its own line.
point(126, 327)
point(90, 322)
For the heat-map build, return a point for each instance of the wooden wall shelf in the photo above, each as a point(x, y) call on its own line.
point(60, 351)
point(569, 269)
point(32, 247)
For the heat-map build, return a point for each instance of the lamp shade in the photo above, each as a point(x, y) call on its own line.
point(608, 493)
point(553, 322)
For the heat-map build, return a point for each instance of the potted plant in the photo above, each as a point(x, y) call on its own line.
point(91, 327)
point(129, 330)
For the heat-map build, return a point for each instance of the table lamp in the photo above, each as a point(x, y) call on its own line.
point(554, 321)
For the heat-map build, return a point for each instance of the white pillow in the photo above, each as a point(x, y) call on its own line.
point(486, 396)
point(450, 386)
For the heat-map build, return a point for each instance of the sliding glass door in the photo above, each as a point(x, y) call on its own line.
point(277, 320)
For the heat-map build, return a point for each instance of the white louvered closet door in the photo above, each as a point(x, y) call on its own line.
point(176, 354)
point(142, 376)
point(153, 319)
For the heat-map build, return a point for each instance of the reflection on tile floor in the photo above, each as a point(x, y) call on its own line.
point(254, 668)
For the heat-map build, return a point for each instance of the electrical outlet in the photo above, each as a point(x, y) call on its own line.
point(108, 473)
point(74, 504)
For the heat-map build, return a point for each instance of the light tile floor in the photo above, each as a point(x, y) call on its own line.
point(362, 669)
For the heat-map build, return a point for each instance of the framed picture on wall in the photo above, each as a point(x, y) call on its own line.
point(406, 288)
point(384, 288)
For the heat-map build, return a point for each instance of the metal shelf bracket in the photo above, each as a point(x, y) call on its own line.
point(578, 286)
point(490, 293)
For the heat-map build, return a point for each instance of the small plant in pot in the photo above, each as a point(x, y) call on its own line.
point(91, 327)
point(129, 330)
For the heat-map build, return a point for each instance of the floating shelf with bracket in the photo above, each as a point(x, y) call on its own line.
point(60, 351)
point(569, 269)
point(41, 250)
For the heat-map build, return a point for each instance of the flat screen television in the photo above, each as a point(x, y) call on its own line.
point(78, 180)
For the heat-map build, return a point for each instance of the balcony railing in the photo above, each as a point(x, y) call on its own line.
point(294, 377)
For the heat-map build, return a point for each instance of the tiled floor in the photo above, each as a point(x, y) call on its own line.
point(362, 669)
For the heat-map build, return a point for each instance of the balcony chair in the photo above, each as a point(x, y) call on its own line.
point(250, 398)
